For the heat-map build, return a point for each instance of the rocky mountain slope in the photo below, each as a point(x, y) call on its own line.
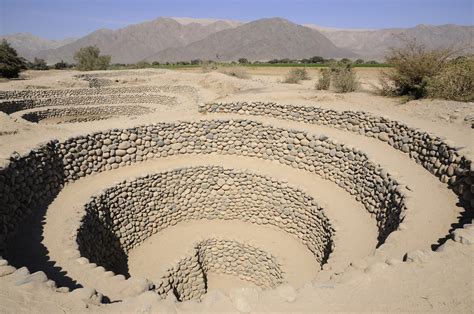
point(376, 43)
point(135, 42)
point(263, 39)
point(183, 39)
point(28, 46)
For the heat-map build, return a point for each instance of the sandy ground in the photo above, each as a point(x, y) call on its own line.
point(357, 277)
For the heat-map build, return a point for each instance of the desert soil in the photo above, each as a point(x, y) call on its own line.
point(358, 277)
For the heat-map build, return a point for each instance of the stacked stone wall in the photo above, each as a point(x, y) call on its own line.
point(434, 153)
point(86, 114)
point(125, 215)
point(188, 278)
point(80, 156)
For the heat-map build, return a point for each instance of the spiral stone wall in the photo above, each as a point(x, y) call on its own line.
point(86, 114)
point(433, 153)
point(188, 278)
point(123, 216)
point(23, 104)
point(59, 93)
point(27, 180)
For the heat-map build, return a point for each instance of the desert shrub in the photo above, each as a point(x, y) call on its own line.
point(324, 81)
point(10, 63)
point(359, 61)
point(38, 64)
point(236, 72)
point(142, 65)
point(455, 81)
point(345, 81)
point(296, 75)
point(89, 58)
point(413, 65)
point(243, 61)
point(343, 78)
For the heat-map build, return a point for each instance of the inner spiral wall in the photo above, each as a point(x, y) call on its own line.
point(125, 215)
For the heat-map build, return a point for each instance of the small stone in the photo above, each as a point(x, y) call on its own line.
point(6, 270)
point(383, 136)
point(120, 152)
point(176, 146)
point(124, 145)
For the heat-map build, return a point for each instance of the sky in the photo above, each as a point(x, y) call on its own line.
point(58, 19)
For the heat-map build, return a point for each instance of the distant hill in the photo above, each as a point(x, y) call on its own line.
point(28, 46)
point(263, 39)
point(183, 39)
point(190, 20)
point(136, 42)
point(375, 44)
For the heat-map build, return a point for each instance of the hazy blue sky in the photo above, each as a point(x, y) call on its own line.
point(65, 18)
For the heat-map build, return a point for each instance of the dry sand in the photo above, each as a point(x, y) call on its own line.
point(357, 276)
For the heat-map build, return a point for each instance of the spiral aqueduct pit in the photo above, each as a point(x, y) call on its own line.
point(119, 197)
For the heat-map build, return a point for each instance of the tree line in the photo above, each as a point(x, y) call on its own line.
point(87, 59)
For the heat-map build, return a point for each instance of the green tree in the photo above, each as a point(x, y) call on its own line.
point(38, 64)
point(10, 63)
point(359, 61)
point(317, 59)
point(89, 58)
point(243, 61)
point(62, 65)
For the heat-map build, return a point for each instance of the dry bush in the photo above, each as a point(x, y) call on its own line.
point(343, 77)
point(345, 81)
point(413, 65)
point(208, 66)
point(296, 75)
point(324, 81)
point(236, 72)
point(455, 81)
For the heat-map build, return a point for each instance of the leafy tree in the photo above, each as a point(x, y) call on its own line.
point(89, 58)
point(62, 65)
point(10, 63)
point(155, 63)
point(38, 64)
point(243, 61)
point(196, 62)
point(359, 61)
point(317, 59)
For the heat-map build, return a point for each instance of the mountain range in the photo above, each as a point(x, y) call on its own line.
point(184, 39)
